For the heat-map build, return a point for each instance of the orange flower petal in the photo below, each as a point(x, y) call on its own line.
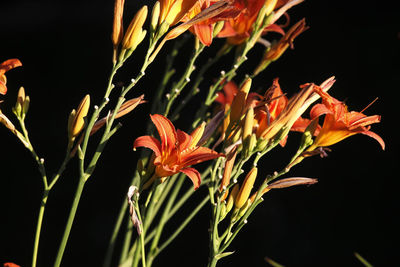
point(198, 155)
point(149, 142)
point(167, 132)
point(194, 175)
point(204, 33)
point(9, 64)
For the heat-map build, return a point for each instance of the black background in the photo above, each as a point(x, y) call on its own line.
point(65, 49)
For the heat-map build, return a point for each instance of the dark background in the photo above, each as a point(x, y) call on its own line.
point(65, 49)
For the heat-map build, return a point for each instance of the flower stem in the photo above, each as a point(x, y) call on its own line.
point(39, 226)
point(70, 221)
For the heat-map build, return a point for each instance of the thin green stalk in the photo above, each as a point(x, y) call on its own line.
point(161, 224)
point(182, 226)
point(39, 226)
point(70, 221)
point(199, 78)
point(177, 89)
point(111, 244)
point(141, 235)
point(127, 240)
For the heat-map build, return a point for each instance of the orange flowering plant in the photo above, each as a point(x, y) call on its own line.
point(234, 125)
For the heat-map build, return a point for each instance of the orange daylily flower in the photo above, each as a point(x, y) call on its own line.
point(182, 10)
point(339, 123)
point(177, 150)
point(204, 29)
point(271, 106)
point(238, 29)
point(4, 67)
point(266, 108)
point(10, 264)
point(172, 11)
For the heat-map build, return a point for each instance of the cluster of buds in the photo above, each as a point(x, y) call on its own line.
point(22, 104)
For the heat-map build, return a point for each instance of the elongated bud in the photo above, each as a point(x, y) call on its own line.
point(232, 197)
point(218, 27)
point(134, 31)
point(78, 122)
point(71, 119)
point(155, 15)
point(261, 144)
point(25, 106)
point(245, 190)
point(118, 28)
point(21, 96)
point(245, 207)
point(20, 102)
point(140, 38)
point(197, 134)
point(230, 161)
point(269, 6)
point(248, 124)
point(239, 101)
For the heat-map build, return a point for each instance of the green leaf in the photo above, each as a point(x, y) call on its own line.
point(222, 255)
point(362, 260)
point(273, 263)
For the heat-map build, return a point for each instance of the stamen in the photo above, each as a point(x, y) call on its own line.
point(370, 104)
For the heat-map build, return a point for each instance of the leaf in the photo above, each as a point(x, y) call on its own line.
point(222, 255)
point(273, 263)
point(362, 260)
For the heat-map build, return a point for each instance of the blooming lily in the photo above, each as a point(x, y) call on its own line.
point(177, 150)
point(339, 123)
point(238, 29)
point(204, 29)
point(4, 67)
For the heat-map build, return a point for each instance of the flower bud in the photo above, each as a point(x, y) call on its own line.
point(134, 31)
point(118, 29)
point(232, 197)
point(197, 134)
point(248, 125)
point(245, 190)
point(239, 101)
point(155, 14)
point(245, 207)
point(218, 27)
point(17, 109)
point(230, 161)
point(78, 122)
point(269, 6)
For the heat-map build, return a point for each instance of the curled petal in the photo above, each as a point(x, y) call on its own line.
point(194, 175)
point(198, 155)
point(376, 137)
point(9, 64)
point(149, 142)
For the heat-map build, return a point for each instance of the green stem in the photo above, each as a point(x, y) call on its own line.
point(70, 221)
point(182, 226)
point(141, 235)
point(161, 224)
point(39, 226)
point(213, 262)
point(177, 89)
point(199, 78)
